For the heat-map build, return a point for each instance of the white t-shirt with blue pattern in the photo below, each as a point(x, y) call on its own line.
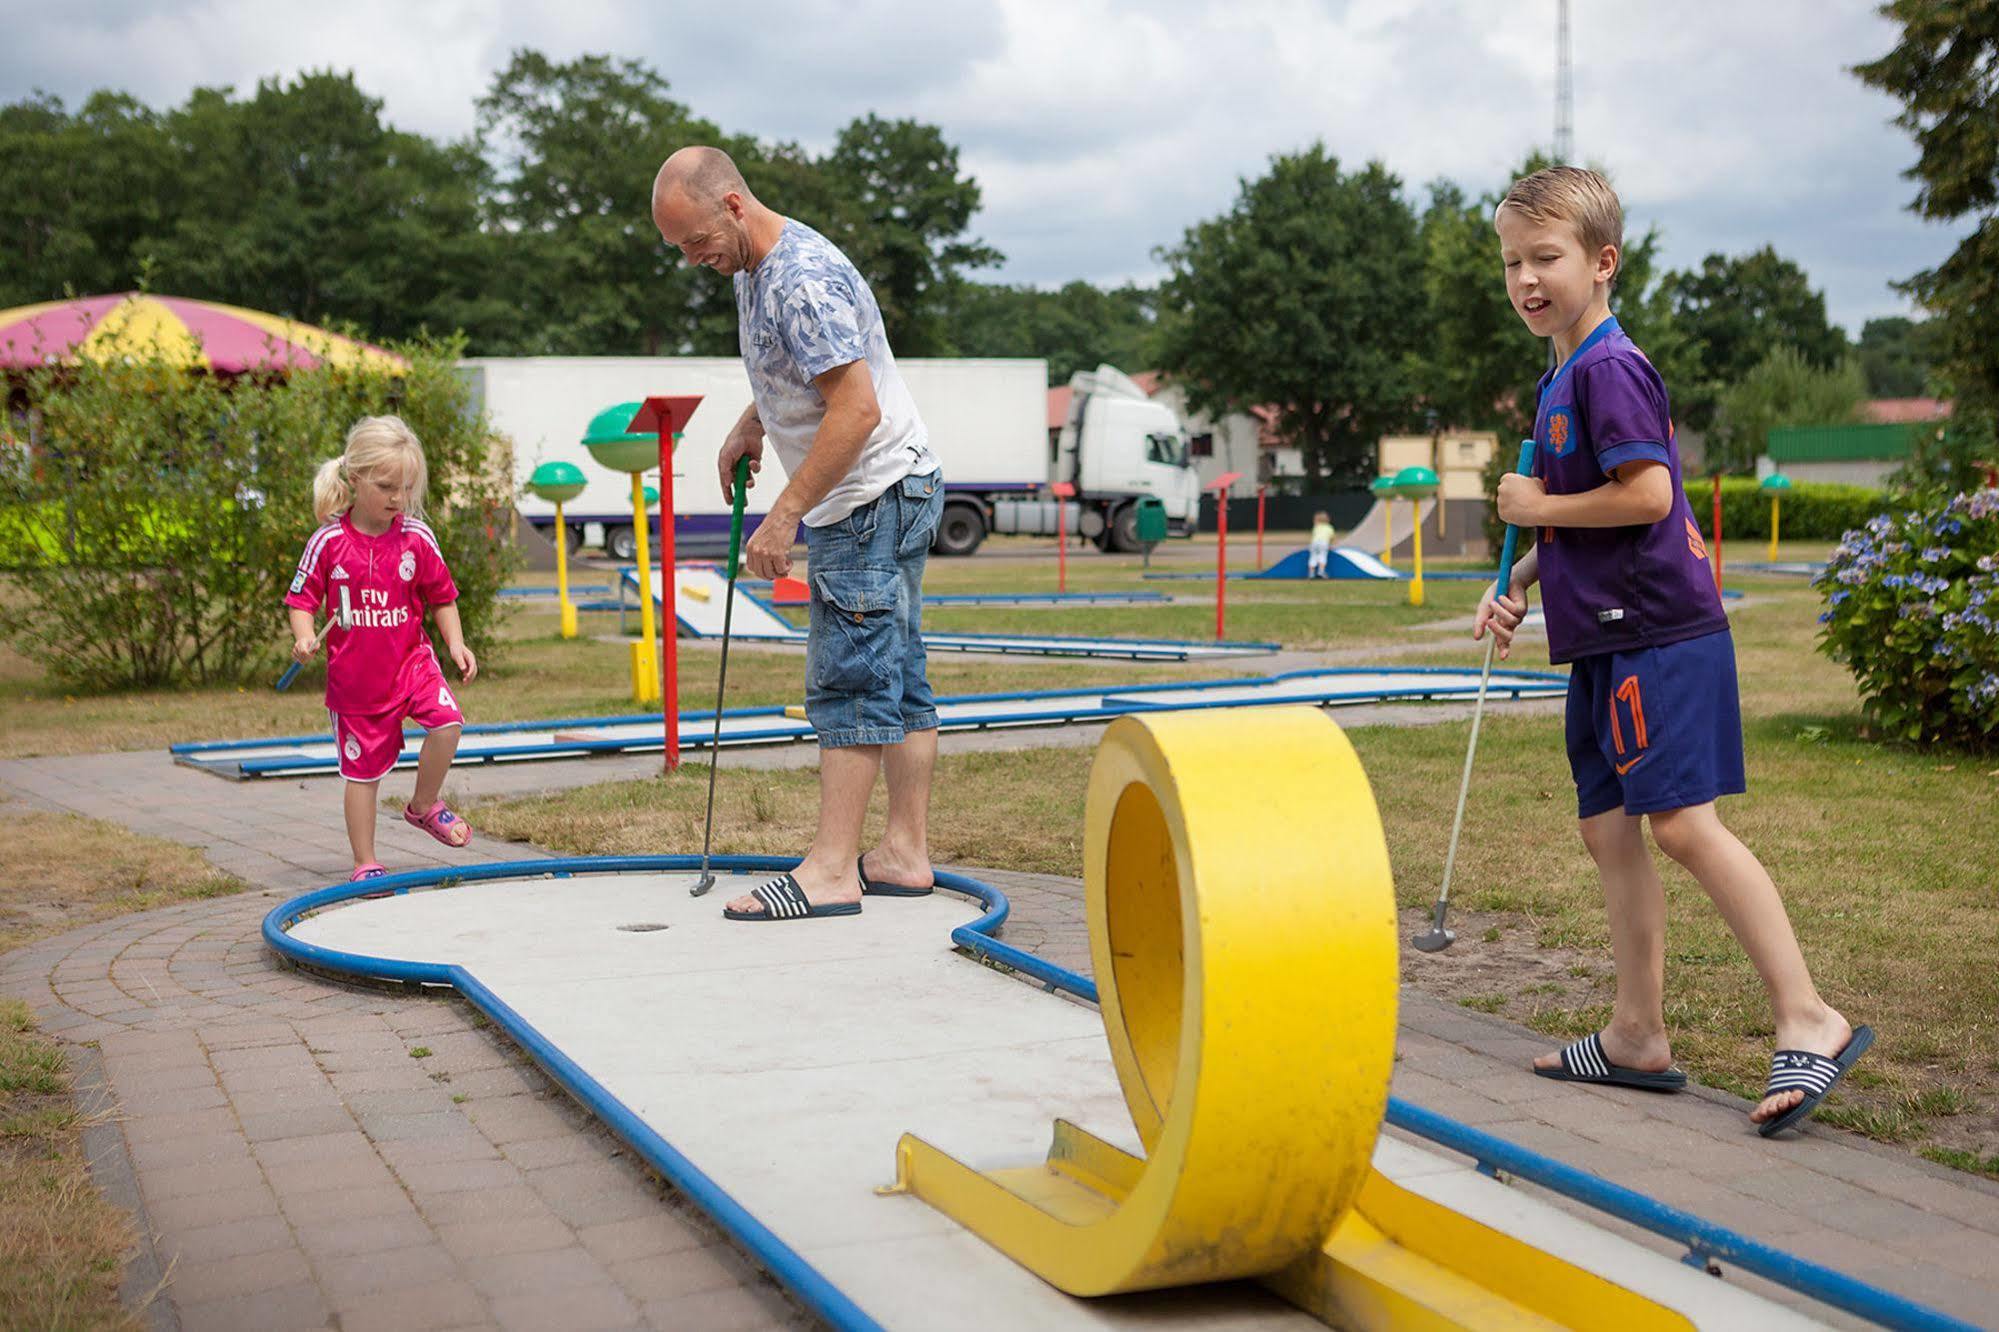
point(802, 311)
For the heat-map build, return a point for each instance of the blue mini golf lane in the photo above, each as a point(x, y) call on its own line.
point(543, 947)
point(512, 742)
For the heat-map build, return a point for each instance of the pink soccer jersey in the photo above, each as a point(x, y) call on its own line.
point(374, 590)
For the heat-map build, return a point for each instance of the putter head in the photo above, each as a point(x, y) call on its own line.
point(702, 885)
point(1435, 941)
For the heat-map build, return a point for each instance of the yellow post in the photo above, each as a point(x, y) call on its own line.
point(645, 672)
point(1388, 534)
point(1416, 583)
point(1774, 502)
point(562, 574)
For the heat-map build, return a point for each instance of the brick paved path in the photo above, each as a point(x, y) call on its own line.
point(296, 1164)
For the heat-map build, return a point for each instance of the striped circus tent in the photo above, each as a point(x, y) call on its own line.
point(225, 339)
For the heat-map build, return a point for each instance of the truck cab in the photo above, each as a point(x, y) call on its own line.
point(1117, 445)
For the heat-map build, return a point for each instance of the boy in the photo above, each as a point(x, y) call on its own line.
point(1654, 726)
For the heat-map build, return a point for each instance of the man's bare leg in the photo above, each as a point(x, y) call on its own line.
point(826, 875)
point(902, 858)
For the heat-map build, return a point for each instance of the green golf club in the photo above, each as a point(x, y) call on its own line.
point(741, 489)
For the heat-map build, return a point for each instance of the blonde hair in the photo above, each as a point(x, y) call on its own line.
point(1575, 195)
point(374, 445)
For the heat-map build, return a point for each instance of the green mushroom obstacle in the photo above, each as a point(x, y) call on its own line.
point(1774, 485)
point(1413, 484)
point(558, 483)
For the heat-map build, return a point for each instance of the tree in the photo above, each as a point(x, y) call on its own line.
point(1076, 328)
point(1784, 389)
point(1895, 355)
point(576, 146)
point(1945, 70)
point(1289, 299)
point(910, 211)
point(1734, 310)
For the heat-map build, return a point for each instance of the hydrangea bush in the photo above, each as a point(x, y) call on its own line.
point(1912, 607)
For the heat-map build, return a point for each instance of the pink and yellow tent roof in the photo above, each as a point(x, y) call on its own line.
point(224, 339)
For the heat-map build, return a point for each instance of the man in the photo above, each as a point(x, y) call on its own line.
point(826, 393)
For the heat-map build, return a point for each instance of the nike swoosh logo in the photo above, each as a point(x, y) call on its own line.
point(1623, 768)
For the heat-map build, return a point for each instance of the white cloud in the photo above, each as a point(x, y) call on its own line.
point(1101, 129)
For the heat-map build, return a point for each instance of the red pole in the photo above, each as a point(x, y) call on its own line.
point(1061, 545)
point(1221, 559)
point(669, 634)
point(1717, 531)
point(1259, 526)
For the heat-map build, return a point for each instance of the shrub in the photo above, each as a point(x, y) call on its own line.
point(1912, 607)
point(1813, 510)
point(155, 515)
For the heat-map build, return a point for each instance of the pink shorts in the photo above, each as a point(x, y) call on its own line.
point(370, 743)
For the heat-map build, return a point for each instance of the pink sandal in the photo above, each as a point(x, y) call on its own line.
point(439, 823)
point(371, 870)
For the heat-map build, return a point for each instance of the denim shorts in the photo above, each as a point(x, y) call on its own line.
point(864, 676)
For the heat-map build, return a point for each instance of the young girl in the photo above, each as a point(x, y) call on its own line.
point(375, 566)
point(1321, 545)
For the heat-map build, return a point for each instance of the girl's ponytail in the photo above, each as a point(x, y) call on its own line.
point(332, 494)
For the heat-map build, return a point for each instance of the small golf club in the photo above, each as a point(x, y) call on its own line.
point(341, 617)
point(741, 488)
point(1437, 939)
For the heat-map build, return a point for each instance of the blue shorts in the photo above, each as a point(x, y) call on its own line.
point(864, 660)
point(1655, 729)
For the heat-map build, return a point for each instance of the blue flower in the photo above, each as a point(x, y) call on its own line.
point(1838, 597)
point(1935, 554)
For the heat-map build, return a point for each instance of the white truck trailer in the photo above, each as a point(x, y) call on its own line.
point(987, 421)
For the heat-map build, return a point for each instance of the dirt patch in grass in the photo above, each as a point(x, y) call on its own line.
point(62, 1246)
point(59, 871)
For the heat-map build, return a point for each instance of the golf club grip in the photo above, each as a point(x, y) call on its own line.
point(1506, 547)
point(736, 515)
point(291, 674)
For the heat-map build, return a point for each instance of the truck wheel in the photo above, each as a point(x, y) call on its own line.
point(573, 535)
point(960, 529)
point(1124, 529)
point(620, 543)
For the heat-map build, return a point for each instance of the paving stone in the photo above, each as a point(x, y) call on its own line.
point(291, 1308)
point(436, 1305)
point(356, 1277)
point(202, 1283)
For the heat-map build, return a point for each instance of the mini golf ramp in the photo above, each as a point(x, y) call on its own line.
point(1385, 520)
point(579, 737)
point(701, 593)
point(818, 1083)
point(1341, 562)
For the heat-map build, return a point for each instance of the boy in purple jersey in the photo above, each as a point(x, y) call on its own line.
point(1654, 728)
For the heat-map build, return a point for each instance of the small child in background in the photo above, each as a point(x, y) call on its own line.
point(375, 565)
point(1321, 545)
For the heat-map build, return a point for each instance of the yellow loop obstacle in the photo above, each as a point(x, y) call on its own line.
point(1242, 930)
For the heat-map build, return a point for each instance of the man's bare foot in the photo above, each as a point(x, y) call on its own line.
point(886, 869)
point(1825, 1034)
point(1649, 1052)
point(820, 888)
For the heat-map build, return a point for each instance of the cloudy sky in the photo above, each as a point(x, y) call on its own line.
point(1101, 129)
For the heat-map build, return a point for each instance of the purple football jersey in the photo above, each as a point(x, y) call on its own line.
point(1611, 589)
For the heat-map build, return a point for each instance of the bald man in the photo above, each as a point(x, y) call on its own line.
point(868, 491)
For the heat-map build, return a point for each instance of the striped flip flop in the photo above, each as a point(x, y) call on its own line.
point(783, 899)
point(1585, 1061)
point(1812, 1074)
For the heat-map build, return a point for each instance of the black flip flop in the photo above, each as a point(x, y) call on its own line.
point(783, 899)
point(1812, 1074)
point(1585, 1061)
point(869, 888)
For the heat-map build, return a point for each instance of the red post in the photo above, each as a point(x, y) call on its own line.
point(668, 417)
point(1717, 531)
point(1220, 485)
point(1063, 490)
point(1259, 525)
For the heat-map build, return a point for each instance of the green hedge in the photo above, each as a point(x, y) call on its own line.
point(152, 517)
point(1813, 510)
